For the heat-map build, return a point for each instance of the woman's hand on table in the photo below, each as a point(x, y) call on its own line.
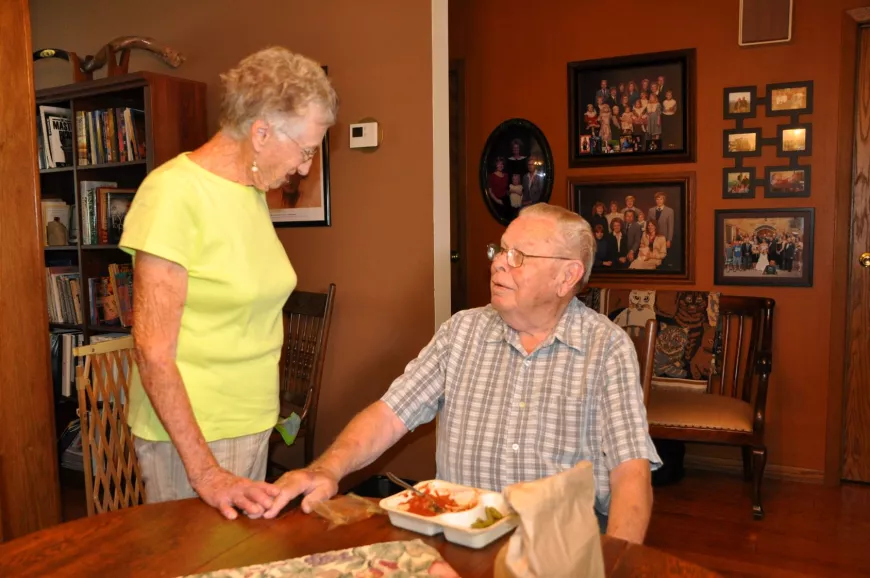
point(316, 484)
point(226, 491)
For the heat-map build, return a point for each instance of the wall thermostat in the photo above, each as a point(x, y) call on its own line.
point(364, 135)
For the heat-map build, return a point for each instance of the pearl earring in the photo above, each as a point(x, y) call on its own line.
point(254, 168)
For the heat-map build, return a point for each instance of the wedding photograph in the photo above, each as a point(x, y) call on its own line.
point(764, 247)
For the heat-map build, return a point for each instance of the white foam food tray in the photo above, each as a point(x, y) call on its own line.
point(456, 526)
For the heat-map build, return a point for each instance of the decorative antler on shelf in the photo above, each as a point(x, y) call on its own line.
point(83, 68)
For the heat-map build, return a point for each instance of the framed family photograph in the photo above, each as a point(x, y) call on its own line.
point(304, 201)
point(740, 102)
point(738, 183)
point(764, 247)
point(790, 98)
point(794, 140)
point(516, 169)
point(742, 142)
point(643, 225)
point(787, 182)
point(632, 109)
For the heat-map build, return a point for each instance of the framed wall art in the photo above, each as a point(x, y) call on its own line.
point(304, 201)
point(789, 98)
point(738, 183)
point(516, 169)
point(643, 225)
point(787, 182)
point(794, 140)
point(740, 102)
point(742, 142)
point(632, 109)
point(764, 247)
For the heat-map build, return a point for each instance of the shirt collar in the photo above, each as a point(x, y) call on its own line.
point(567, 330)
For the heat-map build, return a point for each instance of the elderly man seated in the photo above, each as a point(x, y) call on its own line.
point(527, 386)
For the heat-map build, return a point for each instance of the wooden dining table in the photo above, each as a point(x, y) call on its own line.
point(188, 537)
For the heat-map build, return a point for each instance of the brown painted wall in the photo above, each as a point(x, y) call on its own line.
point(516, 67)
point(379, 249)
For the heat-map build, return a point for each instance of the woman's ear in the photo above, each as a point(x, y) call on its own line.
point(259, 134)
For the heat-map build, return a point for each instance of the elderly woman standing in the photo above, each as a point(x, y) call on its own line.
point(211, 278)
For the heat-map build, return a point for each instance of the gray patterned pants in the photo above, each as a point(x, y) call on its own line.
point(163, 471)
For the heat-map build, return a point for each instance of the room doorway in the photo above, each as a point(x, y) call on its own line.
point(856, 431)
point(458, 284)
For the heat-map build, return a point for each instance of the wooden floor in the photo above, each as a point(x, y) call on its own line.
point(809, 530)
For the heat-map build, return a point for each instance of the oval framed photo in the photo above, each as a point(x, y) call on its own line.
point(516, 169)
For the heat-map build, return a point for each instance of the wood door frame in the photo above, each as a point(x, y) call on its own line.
point(29, 484)
point(852, 21)
point(457, 65)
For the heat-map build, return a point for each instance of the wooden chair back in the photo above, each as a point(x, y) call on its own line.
point(307, 317)
point(742, 348)
point(112, 476)
point(645, 346)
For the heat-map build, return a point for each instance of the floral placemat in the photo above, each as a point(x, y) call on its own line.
point(406, 559)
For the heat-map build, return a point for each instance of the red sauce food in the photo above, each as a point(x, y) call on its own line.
point(421, 506)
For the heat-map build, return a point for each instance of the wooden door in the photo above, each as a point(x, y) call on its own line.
point(458, 289)
point(856, 455)
point(29, 487)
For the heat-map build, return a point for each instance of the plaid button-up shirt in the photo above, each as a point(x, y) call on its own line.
point(508, 416)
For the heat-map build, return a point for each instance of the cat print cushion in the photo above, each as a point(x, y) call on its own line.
point(687, 325)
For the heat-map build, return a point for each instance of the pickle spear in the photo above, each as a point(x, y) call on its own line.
point(492, 516)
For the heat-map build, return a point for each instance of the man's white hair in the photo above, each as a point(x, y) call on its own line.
point(574, 231)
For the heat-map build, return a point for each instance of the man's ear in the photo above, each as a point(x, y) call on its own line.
point(260, 134)
point(572, 274)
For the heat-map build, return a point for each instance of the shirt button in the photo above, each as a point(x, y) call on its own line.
point(515, 447)
point(522, 404)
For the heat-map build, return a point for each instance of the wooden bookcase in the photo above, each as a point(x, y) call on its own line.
point(174, 121)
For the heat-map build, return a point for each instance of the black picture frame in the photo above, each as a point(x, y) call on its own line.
point(759, 226)
point(787, 186)
point(808, 140)
point(500, 145)
point(737, 179)
point(679, 188)
point(774, 106)
point(304, 201)
point(726, 143)
point(733, 110)
point(677, 142)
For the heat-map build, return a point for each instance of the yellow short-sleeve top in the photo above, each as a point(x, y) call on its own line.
point(239, 277)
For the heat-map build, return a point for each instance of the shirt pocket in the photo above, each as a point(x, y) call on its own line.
point(561, 428)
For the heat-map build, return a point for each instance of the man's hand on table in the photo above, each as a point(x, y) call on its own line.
point(316, 484)
point(225, 491)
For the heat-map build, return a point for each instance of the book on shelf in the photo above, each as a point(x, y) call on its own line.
point(105, 207)
point(63, 363)
point(56, 132)
point(64, 294)
point(111, 297)
point(111, 135)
